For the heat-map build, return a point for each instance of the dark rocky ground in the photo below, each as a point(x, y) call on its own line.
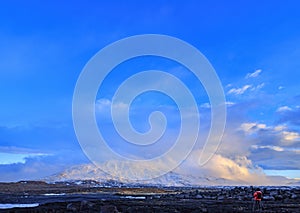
point(88, 197)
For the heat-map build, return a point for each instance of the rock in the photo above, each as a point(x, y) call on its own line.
point(279, 197)
point(221, 198)
point(240, 198)
point(293, 196)
point(241, 209)
point(273, 193)
point(248, 197)
point(109, 209)
point(204, 210)
point(71, 207)
point(199, 196)
point(86, 205)
point(181, 196)
point(193, 193)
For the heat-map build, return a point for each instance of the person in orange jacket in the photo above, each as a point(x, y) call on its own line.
point(257, 199)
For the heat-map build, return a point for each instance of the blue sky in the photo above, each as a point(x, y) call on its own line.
point(254, 47)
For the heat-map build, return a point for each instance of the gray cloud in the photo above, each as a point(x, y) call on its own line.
point(38, 167)
point(273, 159)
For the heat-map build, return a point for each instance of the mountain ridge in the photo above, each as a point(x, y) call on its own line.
point(93, 173)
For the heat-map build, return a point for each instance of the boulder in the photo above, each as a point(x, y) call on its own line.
point(294, 196)
point(109, 209)
point(71, 207)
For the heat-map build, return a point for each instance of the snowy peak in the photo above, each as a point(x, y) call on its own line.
point(91, 172)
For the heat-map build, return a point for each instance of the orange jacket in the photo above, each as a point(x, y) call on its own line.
point(256, 195)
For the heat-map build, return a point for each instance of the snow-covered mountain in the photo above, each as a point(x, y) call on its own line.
point(91, 172)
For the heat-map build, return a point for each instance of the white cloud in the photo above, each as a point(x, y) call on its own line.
point(275, 148)
point(252, 127)
point(258, 87)
point(261, 126)
point(279, 128)
point(120, 105)
point(242, 90)
point(239, 91)
point(283, 109)
point(227, 168)
point(103, 105)
point(207, 105)
point(291, 136)
point(254, 74)
point(103, 102)
point(238, 169)
point(229, 103)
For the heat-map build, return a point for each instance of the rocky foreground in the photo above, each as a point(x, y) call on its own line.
point(92, 197)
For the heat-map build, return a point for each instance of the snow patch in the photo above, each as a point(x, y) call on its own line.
point(135, 197)
point(54, 194)
point(17, 205)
